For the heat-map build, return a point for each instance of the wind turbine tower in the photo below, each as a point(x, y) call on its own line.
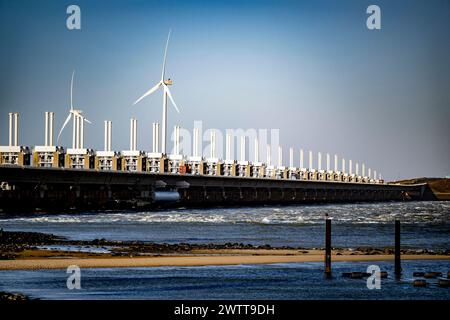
point(164, 83)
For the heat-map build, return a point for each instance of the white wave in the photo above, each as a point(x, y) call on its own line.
point(266, 220)
point(431, 212)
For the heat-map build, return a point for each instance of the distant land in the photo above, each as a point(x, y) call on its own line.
point(440, 187)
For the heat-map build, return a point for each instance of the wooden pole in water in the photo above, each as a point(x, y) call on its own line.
point(328, 247)
point(398, 268)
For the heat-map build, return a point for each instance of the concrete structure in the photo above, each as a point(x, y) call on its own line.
point(338, 176)
point(108, 159)
point(176, 163)
point(156, 160)
point(48, 155)
point(229, 168)
point(303, 174)
point(322, 175)
point(329, 176)
point(301, 159)
point(293, 172)
point(281, 171)
point(313, 175)
point(196, 162)
point(164, 166)
point(58, 188)
point(133, 159)
point(13, 153)
point(229, 165)
point(328, 162)
point(319, 161)
point(214, 166)
point(79, 157)
point(258, 168)
point(195, 181)
point(243, 167)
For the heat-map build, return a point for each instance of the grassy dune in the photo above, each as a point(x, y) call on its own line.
point(439, 186)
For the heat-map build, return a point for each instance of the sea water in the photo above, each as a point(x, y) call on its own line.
point(425, 225)
point(287, 281)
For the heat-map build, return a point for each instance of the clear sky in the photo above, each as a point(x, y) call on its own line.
point(310, 68)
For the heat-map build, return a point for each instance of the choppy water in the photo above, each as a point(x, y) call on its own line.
point(424, 225)
point(277, 281)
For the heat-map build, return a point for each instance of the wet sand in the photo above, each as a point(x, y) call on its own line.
point(34, 260)
point(19, 251)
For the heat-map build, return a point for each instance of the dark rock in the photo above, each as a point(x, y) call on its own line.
point(356, 275)
point(27, 238)
point(444, 283)
point(419, 283)
point(346, 274)
point(432, 275)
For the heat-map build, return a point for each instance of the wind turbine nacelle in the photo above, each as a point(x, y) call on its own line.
point(168, 82)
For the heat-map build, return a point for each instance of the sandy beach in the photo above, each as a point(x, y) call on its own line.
point(55, 260)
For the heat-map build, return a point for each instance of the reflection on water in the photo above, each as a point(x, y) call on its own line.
point(278, 281)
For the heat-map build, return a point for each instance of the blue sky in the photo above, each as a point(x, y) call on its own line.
point(310, 68)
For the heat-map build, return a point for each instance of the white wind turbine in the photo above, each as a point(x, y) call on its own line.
point(77, 116)
point(163, 83)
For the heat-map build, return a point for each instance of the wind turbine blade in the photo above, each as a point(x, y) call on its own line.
point(87, 120)
point(149, 92)
point(165, 55)
point(170, 97)
point(71, 91)
point(65, 123)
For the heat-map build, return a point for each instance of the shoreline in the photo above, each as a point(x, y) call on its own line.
point(20, 251)
point(191, 260)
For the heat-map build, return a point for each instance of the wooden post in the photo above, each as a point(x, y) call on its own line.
point(398, 268)
point(328, 247)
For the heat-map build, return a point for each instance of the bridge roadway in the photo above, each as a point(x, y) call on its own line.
point(31, 188)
